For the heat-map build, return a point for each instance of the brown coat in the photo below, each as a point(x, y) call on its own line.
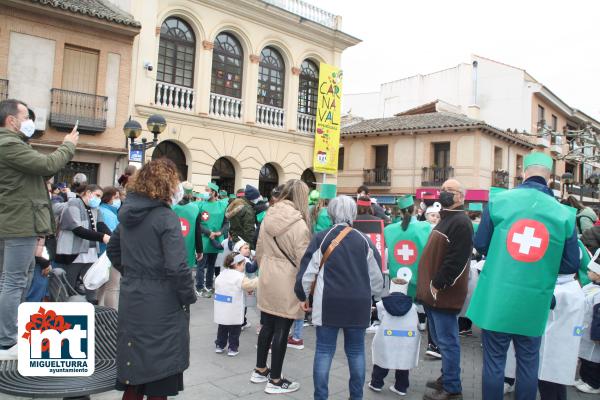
point(277, 275)
point(450, 298)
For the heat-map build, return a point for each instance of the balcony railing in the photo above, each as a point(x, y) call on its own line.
point(307, 11)
point(306, 123)
point(377, 177)
point(435, 176)
point(225, 106)
point(3, 89)
point(174, 97)
point(582, 190)
point(68, 107)
point(270, 116)
point(500, 179)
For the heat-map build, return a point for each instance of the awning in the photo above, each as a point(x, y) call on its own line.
point(385, 199)
point(477, 195)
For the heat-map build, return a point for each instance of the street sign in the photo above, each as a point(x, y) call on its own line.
point(135, 155)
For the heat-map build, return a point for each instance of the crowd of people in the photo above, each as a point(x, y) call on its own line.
point(524, 269)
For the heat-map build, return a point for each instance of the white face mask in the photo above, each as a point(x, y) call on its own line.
point(27, 128)
point(178, 196)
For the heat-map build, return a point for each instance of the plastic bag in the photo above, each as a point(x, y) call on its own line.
point(98, 273)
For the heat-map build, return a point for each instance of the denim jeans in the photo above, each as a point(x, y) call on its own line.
point(527, 352)
point(354, 347)
point(444, 332)
point(17, 263)
point(39, 286)
point(207, 263)
point(298, 326)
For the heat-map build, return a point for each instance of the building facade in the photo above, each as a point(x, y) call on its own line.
point(71, 61)
point(237, 83)
point(401, 154)
point(505, 97)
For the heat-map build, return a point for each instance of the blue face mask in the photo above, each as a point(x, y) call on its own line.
point(116, 203)
point(94, 202)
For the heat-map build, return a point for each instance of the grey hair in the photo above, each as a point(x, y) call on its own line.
point(79, 178)
point(342, 209)
point(537, 170)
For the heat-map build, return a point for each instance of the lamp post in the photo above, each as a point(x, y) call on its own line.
point(156, 124)
point(567, 180)
point(594, 181)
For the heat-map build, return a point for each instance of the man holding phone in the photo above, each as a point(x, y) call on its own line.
point(25, 209)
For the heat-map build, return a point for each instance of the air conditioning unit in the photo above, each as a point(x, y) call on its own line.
point(41, 118)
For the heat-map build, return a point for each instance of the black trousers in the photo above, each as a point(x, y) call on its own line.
point(552, 391)
point(274, 333)
point(590, 373)
point(379, 375)
point(75, 273)
point(229, 334)
point(464, 324)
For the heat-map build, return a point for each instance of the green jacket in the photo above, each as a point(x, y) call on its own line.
point(25, 208)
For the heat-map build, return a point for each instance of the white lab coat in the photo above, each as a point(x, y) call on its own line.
point(473, 279)
point(561, 339)
point(397, 341)
point(590, 350)
point(229, 298)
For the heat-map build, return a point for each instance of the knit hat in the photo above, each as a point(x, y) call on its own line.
point(251, 193)
point(240, 193)
point(405, 201)
point(328, 191)
point(405, 274)
point(213, 186)
point(238, 245)
point(436, 207)
point(188, 188)
point(364, 201)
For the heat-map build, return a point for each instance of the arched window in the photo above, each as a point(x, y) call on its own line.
point(309, 85)
point(174, 153)
point(271, 78)
point(223, 174)
point(309, 178)
point(227, 66)
point(267, 180)
point(176, 53)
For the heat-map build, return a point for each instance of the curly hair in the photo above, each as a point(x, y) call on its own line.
point(157, 180)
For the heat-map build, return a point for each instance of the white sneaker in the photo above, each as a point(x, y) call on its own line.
point(394, 390)
point(260, 377)
point(374, 388)
point(9, 354)
point(232, 353)
point(283, 386)
point(219, 350)
point(247, 325)
point(508, 388)
point(585, 388)
point(422, 326)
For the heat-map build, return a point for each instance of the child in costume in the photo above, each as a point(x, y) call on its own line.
point(230, 286)
point(397, 341)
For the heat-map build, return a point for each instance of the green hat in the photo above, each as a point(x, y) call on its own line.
point(213, 186)
point(405, 201)
point(232, 196)
point(188, 188)
point(328, 191)
point(475, 207)
point(538, 158)
point(223, 193)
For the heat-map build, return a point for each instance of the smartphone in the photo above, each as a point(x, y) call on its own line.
point(76, 124)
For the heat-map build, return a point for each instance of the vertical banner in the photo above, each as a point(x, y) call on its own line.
point(327, 135)
point(374, 231)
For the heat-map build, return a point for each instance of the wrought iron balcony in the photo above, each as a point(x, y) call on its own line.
point(435, 176)
point(3, 89)
point(500, 179)
point(68, 107)
point(377, 177)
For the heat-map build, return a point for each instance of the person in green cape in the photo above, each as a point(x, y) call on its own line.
point(318, 214)
point(187, 211)
point(474, 211)
point(213, 225)
point(529, 238)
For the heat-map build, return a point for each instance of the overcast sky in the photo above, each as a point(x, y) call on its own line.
point(557, 42)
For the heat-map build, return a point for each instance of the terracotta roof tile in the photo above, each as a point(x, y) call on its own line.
point(100, 9)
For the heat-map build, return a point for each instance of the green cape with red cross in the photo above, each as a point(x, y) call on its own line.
point(187, 218)
point(515, 288)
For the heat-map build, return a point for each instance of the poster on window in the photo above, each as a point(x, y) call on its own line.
point(374, 231)
point(327, 127)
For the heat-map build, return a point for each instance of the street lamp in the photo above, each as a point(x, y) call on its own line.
point(594, 181)
point(132, 129)
point(567, 179)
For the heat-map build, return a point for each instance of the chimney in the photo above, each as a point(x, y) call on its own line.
point(473, 108)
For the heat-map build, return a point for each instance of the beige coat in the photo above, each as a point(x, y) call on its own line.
point(277, 275)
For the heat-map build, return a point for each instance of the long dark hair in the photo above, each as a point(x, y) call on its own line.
point(407, 214)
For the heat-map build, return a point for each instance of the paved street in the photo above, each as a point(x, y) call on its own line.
point(218, 377)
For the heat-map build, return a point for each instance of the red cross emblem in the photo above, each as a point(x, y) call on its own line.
point(527, 240)
point(405, 252)
point(205, 216)
point(185, 227)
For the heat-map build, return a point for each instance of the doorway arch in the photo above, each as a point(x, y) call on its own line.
point(268, 180)
point(223, 174)
point(174, 153)
point(308, 177)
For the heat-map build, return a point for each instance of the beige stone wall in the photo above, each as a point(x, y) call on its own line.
point(471, 156)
